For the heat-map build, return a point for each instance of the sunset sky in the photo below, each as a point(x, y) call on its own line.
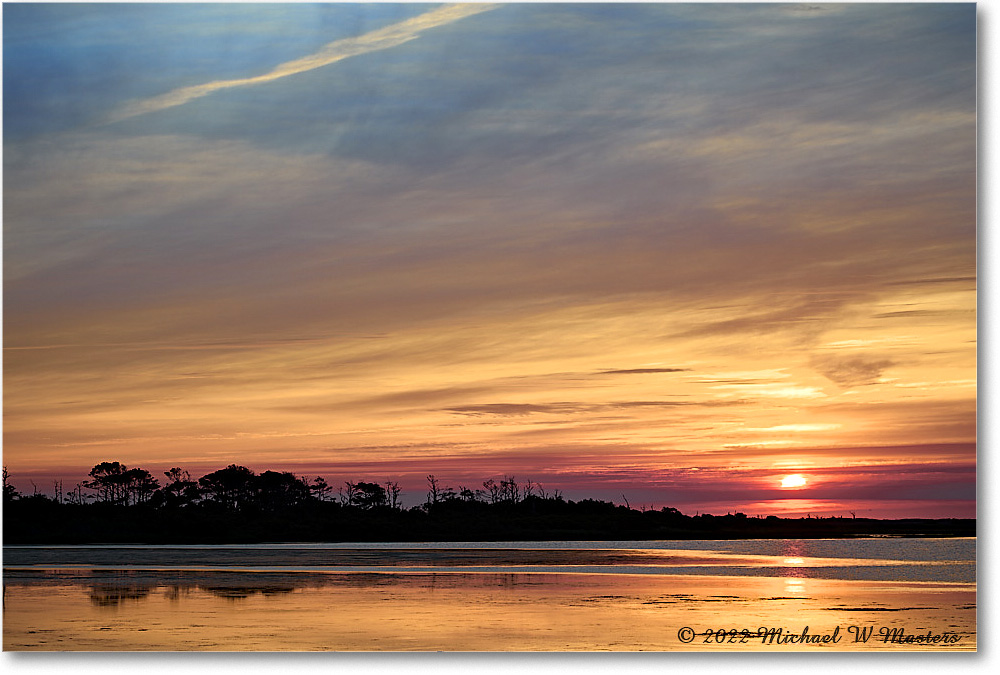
point(669, 253)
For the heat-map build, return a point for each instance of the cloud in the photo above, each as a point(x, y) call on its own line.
point(643, 371)
point(853, 371)
point(942, 280)
point(384, 38)
point(514, 409)
point(909, 313)
point(224, 345)
point(673, 404)
point(562, 408)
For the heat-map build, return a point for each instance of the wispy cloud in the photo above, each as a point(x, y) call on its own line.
point(570, 407)
point(643, 371)
point(384, 38)
point(171, 346)
point(852, 372)
point(515, 409)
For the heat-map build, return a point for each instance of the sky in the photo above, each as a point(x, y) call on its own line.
point(662, 253)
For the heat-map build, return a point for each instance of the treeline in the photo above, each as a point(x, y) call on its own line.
point(236, 505)
point(237, 488)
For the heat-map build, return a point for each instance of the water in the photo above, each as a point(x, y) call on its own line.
point(495, 596)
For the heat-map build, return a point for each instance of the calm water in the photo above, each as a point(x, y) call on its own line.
point(496, 596)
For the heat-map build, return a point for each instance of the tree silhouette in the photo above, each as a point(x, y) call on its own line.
point(392, 490)
point(510, 491)
point(436, 494)
point(433, 490)
point(347, 493)
point(181, 491)
point(110, 482)
point(139, 486)
point(10, 492)
point(233, 487)
point(319, 488)
point(281, 490)
point(369, 496)
point(493, 489)
point(177, 475)
point(76, 495)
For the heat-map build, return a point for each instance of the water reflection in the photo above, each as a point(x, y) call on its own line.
point(175, 593)
point(793, 548)
point(436, 598)
point(112, 596)
point(244, 592)
point(792, 551)
point(795, 586)
point(910, 560)
point(112, 589)
point(228, 611)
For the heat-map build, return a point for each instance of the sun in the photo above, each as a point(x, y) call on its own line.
point(795, 480)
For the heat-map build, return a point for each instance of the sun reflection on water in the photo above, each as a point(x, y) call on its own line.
point(795, 586)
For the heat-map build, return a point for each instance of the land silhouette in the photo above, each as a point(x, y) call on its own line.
point(238, 505)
